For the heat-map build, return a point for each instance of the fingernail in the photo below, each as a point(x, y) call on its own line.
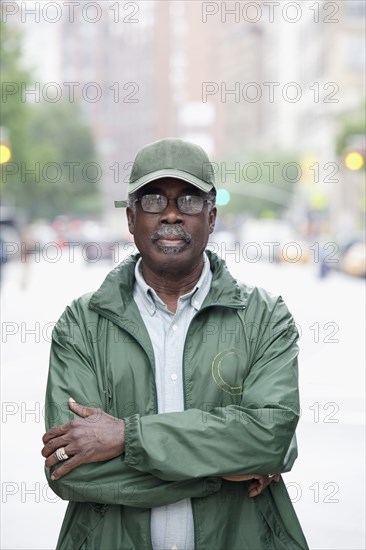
point(53, 477)
point(71, 400)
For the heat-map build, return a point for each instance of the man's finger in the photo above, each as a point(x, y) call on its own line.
point(257, 487)
point(253, 489)
point(52, 460)
point(241, 477)
point(66, 467)
point(81, 410)
point(56, 431)
point(52, 445)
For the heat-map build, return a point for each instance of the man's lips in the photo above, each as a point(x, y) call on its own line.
point(170, 242)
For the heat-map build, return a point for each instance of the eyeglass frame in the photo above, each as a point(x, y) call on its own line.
point(130, 203)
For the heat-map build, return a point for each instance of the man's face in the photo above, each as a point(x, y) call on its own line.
point(171, 240)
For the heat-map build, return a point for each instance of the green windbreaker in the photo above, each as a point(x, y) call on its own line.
point(241, 411)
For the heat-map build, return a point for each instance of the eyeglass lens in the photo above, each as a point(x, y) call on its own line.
point(188, 204)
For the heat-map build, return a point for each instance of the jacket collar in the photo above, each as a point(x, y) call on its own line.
point(114, 298)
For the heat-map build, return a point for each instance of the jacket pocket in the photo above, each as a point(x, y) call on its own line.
point(276, 536)
point(80, 521)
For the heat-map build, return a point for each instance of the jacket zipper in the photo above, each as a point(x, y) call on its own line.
point(115, 322)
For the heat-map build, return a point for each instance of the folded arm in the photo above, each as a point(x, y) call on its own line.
point(173, 456)
point(104, 477)
point(251, 437)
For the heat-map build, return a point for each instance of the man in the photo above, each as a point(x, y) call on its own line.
point(172, 396)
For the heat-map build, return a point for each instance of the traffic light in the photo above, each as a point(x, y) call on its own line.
point(222, 197)
point(354, 160)
point(354, 153)
point(5, 151)
point(5, 154)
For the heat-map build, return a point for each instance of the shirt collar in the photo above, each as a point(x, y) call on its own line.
point(196, 296)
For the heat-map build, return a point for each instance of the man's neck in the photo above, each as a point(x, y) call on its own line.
point(169, 288)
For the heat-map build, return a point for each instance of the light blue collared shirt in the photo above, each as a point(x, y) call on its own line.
point(172, 526)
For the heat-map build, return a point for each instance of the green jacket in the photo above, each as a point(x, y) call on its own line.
point(241, 410)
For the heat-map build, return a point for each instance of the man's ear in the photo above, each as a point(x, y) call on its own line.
point(212, 219)
point(130, 220)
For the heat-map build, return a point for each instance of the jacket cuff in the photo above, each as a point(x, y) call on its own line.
point(291, 456)
point(132, 440)
point(211, 485)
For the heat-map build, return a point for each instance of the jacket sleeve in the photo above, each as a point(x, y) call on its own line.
point(252, 437)
point(72, 374)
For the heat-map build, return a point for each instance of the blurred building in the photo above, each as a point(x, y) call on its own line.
point(240, 109)
point(115, 63)
point(332, 71)
point(317, 65)
point(333, 79)
point(194, 62)
point(150, 73)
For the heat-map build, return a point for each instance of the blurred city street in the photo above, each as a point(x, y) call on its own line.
point(326, 484)
point(274, 92)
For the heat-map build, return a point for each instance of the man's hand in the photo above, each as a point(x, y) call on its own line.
point(96, 437)
point(258, 485)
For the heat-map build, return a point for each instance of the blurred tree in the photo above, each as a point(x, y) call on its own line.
point(14, 112)
point(53, 169)
point(67, 175)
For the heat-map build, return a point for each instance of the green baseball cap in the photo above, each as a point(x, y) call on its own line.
point(171, 158)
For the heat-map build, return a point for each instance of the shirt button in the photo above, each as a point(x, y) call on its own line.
point(174, 327)
point(174, 377)
point(195, 303)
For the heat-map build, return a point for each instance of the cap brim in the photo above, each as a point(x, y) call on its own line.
point(170, 173)
point(165, 173)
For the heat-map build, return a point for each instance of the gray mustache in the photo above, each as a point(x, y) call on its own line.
point(169, 231)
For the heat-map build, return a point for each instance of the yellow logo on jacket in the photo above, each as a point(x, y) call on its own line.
point(227, 370)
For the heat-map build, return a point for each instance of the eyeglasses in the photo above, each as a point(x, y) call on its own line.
point(187, 204)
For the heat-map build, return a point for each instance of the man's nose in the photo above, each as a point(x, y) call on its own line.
point(171, 214)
